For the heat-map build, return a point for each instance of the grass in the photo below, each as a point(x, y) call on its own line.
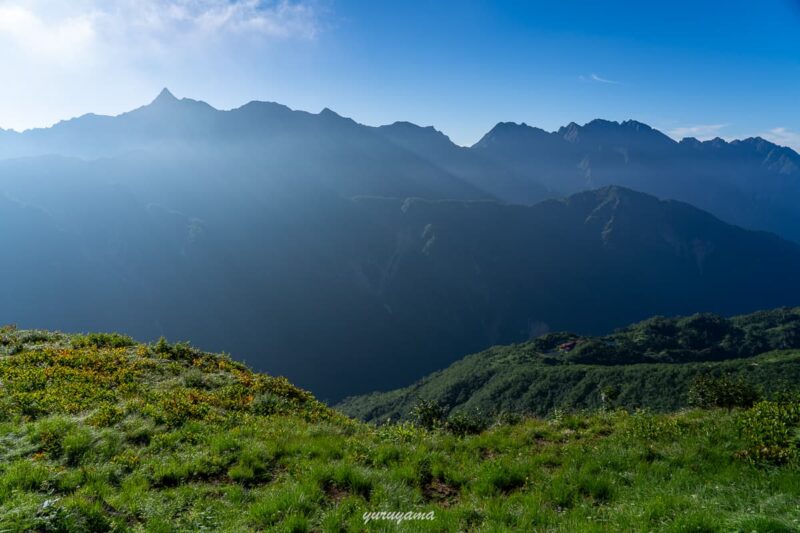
point(105, 435)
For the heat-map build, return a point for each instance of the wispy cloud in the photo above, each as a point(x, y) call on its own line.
point(81, 29)
point(66, 38)
point(276, 19)
point(596, 78)
point(699, 131)
point(784, 137)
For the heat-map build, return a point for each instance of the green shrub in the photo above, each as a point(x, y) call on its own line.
point(35, 337)
point(466, 423)
point(400, 433)
point(15, 348)
point(194, 378)
point(724, 391)
point(609, 395)
point(106, 415)
point(176, 407)
point(145, 442)
point(48, 434)
point(267, 403)
point(162, 347)
point(428, 414)
point(772, 431)
point(102, 340)
point(649, 427)
point(183, 351)
point(508, 418)
point(180, 351)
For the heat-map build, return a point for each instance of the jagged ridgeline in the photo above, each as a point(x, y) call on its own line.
point(99, 433)
point(651, 364)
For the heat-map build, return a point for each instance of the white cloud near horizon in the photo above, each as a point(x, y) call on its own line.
point(783, 137)
point(704, 132)
point(597, 78)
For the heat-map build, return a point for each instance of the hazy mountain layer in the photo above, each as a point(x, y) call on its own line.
point(751, 182)
point(346, 296)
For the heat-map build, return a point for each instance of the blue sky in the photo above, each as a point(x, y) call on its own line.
point(698, 68)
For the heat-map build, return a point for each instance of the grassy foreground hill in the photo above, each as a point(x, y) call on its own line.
point(650, 364)
point(98, 433)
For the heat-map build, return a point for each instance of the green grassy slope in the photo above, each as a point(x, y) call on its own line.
point(100, 434)
point(650, 364)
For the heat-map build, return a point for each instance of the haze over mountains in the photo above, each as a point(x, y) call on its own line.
point(289, 239)
point(750, 182)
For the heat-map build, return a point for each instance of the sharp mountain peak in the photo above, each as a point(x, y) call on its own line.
point(165, 96)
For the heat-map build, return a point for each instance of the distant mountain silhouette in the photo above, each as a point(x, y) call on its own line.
point(752, 182)
point(485, 174)
point(317, 151)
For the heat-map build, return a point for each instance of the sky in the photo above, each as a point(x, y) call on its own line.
point(689, 68)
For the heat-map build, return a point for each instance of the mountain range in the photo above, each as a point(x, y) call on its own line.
point(353, 258)
point(752, 182)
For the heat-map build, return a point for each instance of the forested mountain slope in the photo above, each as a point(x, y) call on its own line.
point(651, 364)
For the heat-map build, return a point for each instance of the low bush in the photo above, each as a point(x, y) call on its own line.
point(267, 403)
point(648, 427)
point(466, 423)
point(102, 340)
point(180, 351)
point(428, 414)
point(724, 391)
point(772, 431)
